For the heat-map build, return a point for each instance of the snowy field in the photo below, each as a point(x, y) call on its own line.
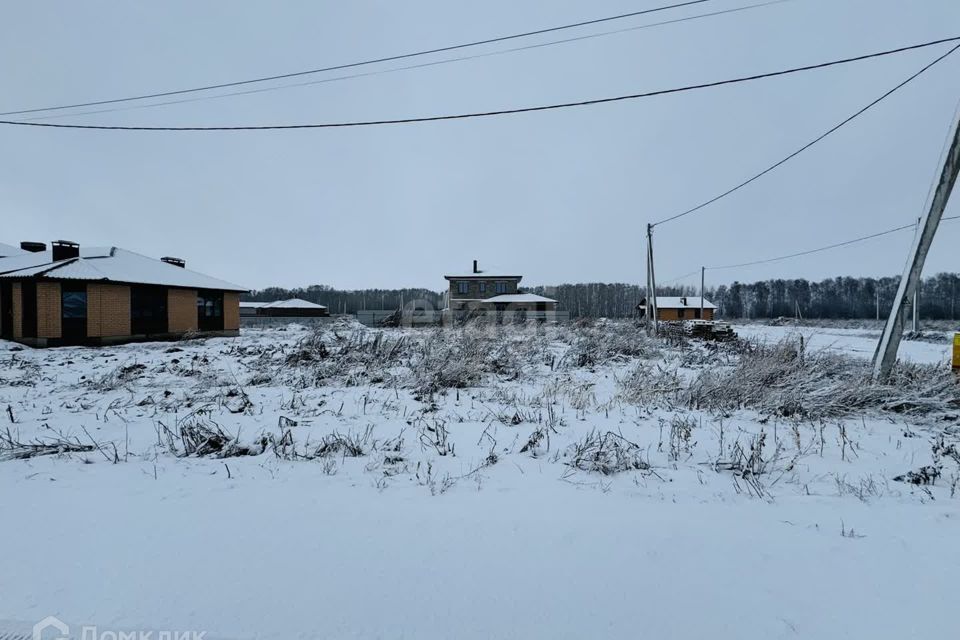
point(571, 482)
point(856, 342)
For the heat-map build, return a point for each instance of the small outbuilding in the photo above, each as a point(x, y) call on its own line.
point(672, 309)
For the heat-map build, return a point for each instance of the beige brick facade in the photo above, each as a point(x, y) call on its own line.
point(231, 311)
point(17, 311)
point(108, 310)
point(669, 315)
point(182, 310)
point(48, 310)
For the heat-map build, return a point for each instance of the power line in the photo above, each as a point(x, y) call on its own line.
point(819, 138)
point(678, 278)
point(352, 65)
point(484, 114)
point(422, 65)
point(912, 225)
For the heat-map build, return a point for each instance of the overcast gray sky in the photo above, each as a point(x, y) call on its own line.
point(561, 196)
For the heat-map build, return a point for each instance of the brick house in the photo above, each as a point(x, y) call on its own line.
point(99, 295)
point(672, 309)
point(479, 291)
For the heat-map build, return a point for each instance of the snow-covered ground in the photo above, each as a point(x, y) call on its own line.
point(388, 504)
point(856, 342)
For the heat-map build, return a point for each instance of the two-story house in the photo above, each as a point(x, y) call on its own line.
point(481, 291)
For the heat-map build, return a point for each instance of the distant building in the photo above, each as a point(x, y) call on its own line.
point(248, 309)
point(94, 295)
point(679, 308)
point(479, 292)
point(293, 308)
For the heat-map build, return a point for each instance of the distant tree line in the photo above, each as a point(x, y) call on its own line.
point(835, 298)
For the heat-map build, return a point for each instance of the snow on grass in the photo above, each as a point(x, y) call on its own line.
point(853, 340)
point(577, 481)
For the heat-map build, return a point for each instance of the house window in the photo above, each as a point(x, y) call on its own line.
point(680, 313)
point(463, 287)
point(74, 304)
point(483, 287)
point(501, 287)
point(73, 311)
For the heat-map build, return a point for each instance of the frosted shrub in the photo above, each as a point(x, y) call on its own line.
point(783, 379)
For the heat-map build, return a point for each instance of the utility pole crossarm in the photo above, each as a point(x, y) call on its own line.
point(886, 354)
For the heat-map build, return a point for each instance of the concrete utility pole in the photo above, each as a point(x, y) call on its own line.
point(652, 283)
point(703, 271)
point(886, 353)
point(646, 310)
point(916, 297)
point(916, 309)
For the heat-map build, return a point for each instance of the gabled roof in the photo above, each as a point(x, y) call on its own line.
point(293, 303)
point(679, 302)
point(517, 297)
point(7, 250)
point(110, 264)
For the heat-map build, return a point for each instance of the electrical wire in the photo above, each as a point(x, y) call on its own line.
point(912, 225)
point(819, 138)
point(501, 112)
point(422, 65)
point(352, 65)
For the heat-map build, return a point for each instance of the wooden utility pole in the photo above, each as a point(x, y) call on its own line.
point(886, 353)
point(652, 283)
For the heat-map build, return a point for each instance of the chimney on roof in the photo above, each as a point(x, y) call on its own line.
point(33, 247)
point(64, 249)
point(476, 269)
point(177, 262)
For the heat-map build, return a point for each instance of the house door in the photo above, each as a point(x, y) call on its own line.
point(148, 310)
point(6, 310)
point(210, 310)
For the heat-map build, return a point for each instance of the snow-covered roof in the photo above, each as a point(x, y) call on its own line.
point(252, 305)
point(110, 264)
point(681, 302)
point(293, 303)
point(518, 297)
point(483, 276)
point(7, 250)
